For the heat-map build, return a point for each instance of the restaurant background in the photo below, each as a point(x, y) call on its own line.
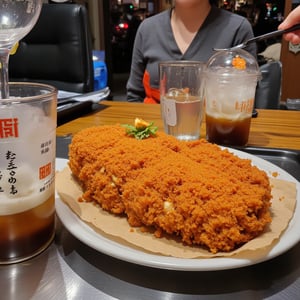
point(114, 24)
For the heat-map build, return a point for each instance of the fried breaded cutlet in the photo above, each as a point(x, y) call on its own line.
point(196, 191)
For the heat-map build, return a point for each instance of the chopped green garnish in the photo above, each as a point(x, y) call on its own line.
point(141, 130)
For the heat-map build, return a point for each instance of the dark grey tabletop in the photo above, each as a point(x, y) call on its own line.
point(69, 269)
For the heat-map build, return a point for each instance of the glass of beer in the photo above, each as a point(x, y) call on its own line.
point(27, 170)
point(181, 98)
point(229, 91)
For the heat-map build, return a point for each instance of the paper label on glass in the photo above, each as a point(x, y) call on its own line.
point(170, 112)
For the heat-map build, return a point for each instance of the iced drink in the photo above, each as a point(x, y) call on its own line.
point(230, 85)
point(227, 131)
point(27, 171)
point(181, 98)
point(182, 118)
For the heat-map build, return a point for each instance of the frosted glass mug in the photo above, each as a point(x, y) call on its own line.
point(27, 170)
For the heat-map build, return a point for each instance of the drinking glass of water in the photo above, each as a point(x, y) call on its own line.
point(181, 98)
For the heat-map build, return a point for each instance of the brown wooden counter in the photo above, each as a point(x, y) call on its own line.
point(272, 128)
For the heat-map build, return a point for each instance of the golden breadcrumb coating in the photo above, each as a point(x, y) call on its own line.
point(204, 195)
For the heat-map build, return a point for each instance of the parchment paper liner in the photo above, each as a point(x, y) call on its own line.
point(117, 228)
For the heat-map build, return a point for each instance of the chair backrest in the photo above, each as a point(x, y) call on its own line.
point(268, 90)
point(58, 50)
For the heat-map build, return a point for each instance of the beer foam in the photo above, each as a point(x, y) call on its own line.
point(34, 129)
point(233, 116)
point(28, 196)
point(31, 119)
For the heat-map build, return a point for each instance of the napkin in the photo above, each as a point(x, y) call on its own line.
point(117, 228)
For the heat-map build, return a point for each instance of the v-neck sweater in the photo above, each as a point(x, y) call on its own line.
point(155, 42)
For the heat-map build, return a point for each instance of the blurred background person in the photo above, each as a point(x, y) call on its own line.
point(187, 31)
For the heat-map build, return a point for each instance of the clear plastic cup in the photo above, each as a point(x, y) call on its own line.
point(230, 84)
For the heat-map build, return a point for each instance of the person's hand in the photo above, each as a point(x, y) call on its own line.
point(293, 18)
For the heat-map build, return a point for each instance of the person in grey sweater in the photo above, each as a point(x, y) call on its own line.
point(188, 31)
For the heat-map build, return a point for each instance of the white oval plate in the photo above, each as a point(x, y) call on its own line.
point(87, 235)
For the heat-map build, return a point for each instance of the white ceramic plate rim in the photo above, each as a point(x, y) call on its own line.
point(88, 236)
